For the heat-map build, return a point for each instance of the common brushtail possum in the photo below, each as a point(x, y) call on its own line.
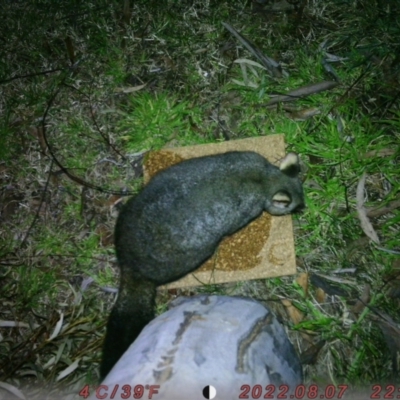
point(176, 223)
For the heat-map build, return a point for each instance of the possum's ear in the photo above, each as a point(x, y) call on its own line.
point(290, 165)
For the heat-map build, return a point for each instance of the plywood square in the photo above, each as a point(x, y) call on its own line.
point(262, 249)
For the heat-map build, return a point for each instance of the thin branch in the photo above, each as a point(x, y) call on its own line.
point(71, 176)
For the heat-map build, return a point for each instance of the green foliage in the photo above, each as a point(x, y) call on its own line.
point(36, 288)
point(150, 121)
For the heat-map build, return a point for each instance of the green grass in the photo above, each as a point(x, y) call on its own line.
point(150, 121)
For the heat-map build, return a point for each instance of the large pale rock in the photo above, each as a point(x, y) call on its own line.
point(226, 342)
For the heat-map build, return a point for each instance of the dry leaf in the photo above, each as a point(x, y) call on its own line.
point(71, 368)
point(249, 62)
point(328, 287)
point(302, 280)
point(295, 315)
point(374, 212)
point(302, 115)
point(303, 91)
point(270, 64)
point(362, 213)
point(38, 133)
point(130, 89)
point(380, 153)
point(12, 389)
point(16, 324)
point(320, 295)
point(113, 200)
point(58, 327)
point(363, 301)
point(335, 279)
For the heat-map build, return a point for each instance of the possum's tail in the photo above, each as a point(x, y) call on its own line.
point(133, 310)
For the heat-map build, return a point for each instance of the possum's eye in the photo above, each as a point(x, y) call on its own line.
point(281, 200)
